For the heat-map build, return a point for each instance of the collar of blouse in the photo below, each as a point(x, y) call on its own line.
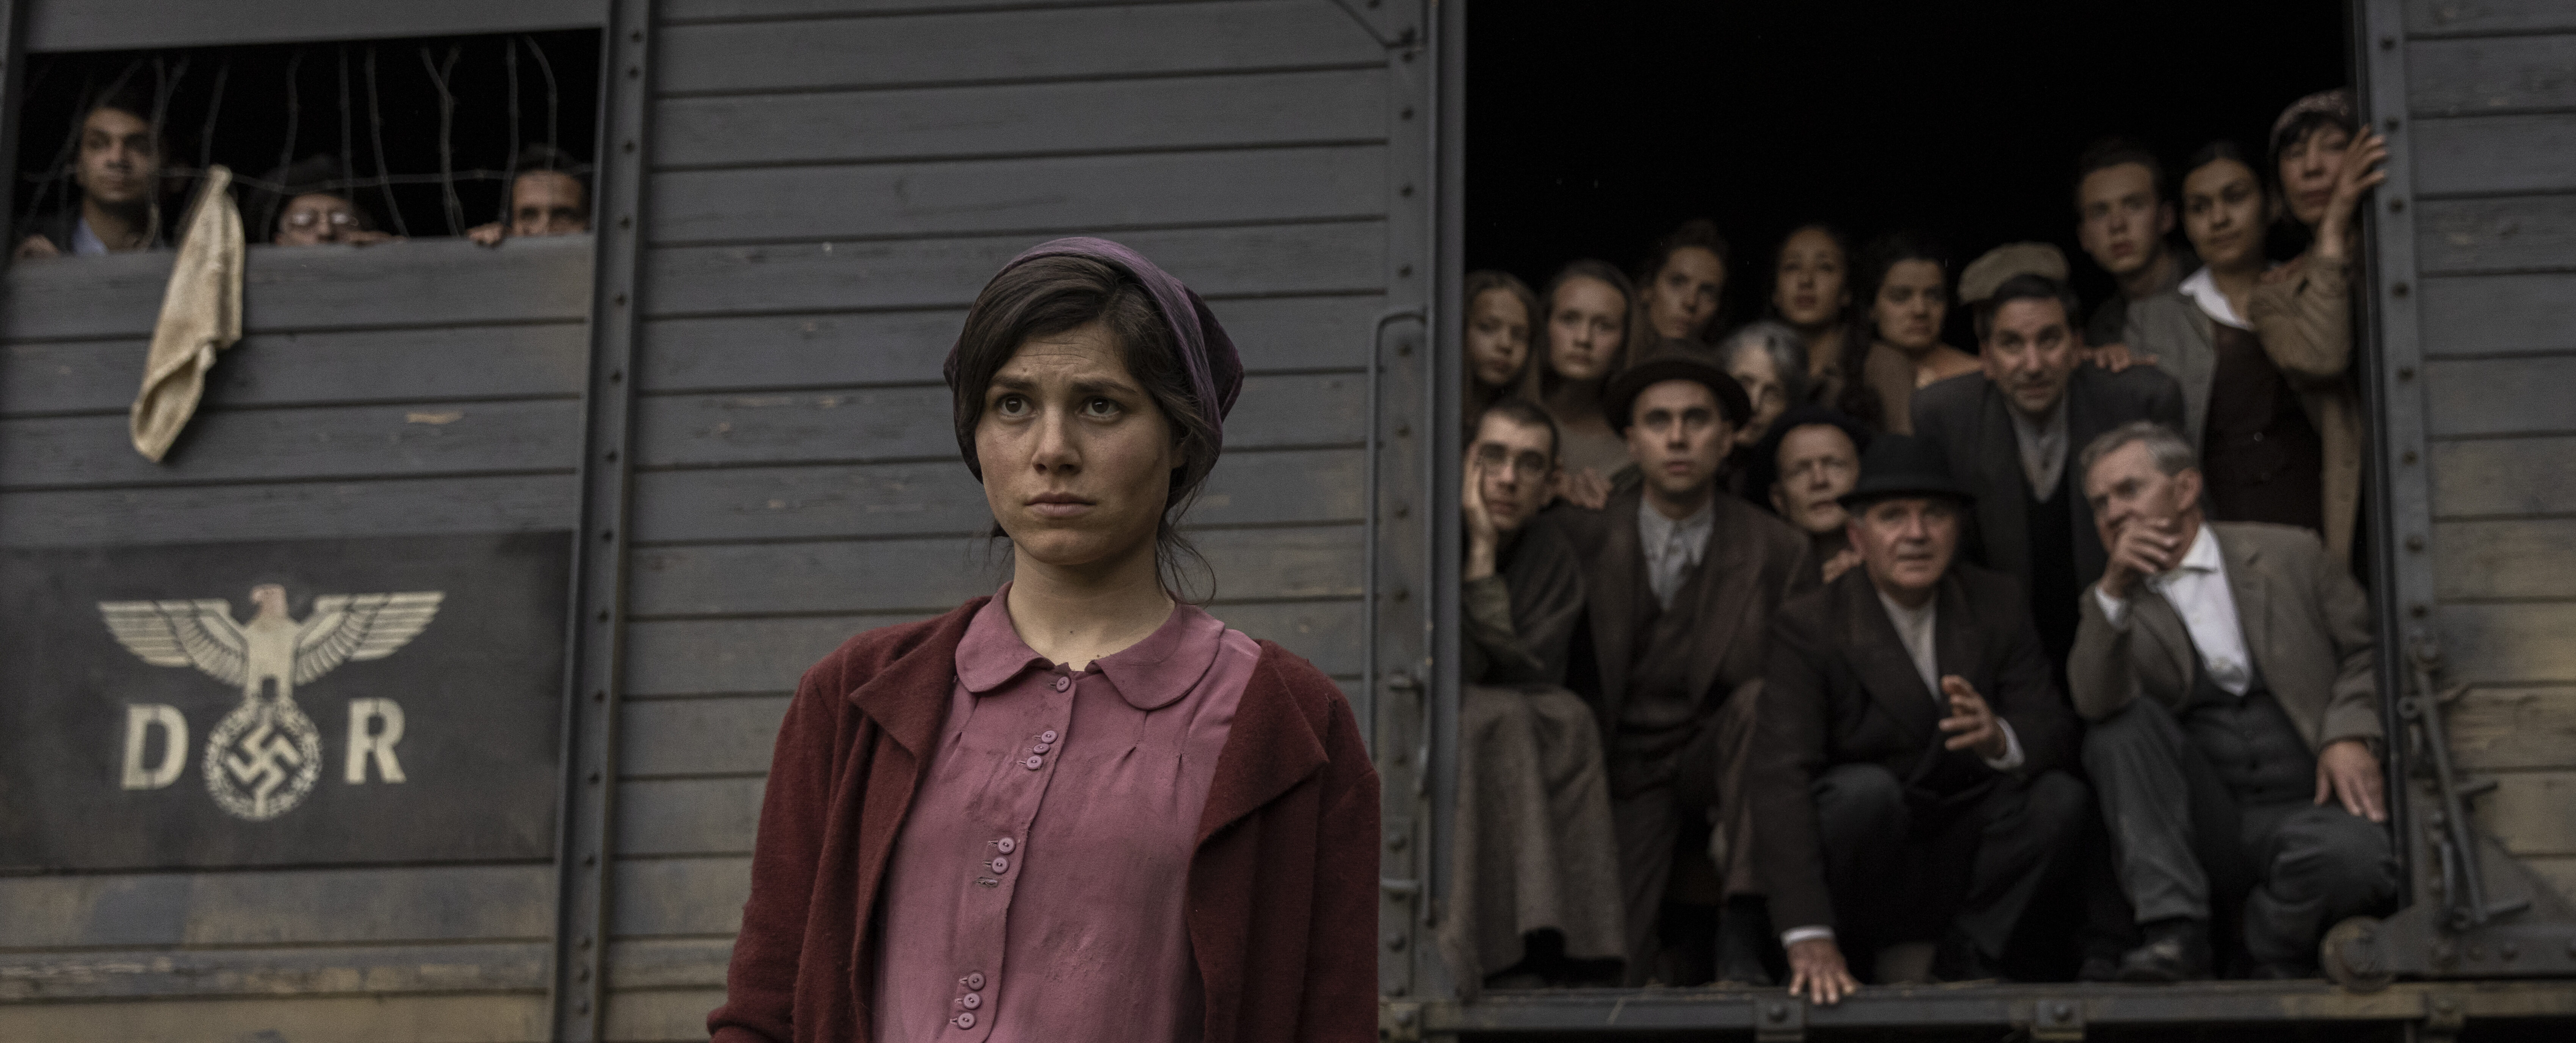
point(1150, 674)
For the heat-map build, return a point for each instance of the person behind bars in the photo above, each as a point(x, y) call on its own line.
point(118, 172)
point(550, 195)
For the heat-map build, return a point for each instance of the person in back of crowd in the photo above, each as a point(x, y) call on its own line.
point(2124, 219)
point(1502, 314)
point(2235, 746)
point(1803, 468)
point(550, 195)
point(118, 171)
point(311, 209)
point(1894, 343)
point(2261, 456)
point(1586, 329)
point(2325, 161)
point(2006, 433)
point(1910, 749)
point(1534, 887)
point(1681, 582)
point(1768, 359)
point(1811, 291)
point(1681, 285)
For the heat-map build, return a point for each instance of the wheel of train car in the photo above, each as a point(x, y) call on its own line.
point(2350, 955)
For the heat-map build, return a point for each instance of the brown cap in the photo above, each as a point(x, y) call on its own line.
point(1986, 273)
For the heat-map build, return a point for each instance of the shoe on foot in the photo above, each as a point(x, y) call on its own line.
point(1743, 932)
point(2176, 950)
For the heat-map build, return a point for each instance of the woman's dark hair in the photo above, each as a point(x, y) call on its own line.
point(1542, 377)
point(2287, 236)
point(541, 156)
point(1771, 279)
point(1702, 233)
point(1050, 295)
point(1869, 272)
point(2105, 153)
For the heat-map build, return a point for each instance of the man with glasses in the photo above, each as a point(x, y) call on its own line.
point(1535, 884)
point(1682, 581)
point(316, 210)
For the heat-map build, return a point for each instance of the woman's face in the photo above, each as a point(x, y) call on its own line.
point(1808, 288)
point(1077, 458)
point(1682, 299)
point(1585, 324)
point(1912, 302)
point(1760, 375)
point(2308, 169)
point(1498, 336)
point(2222, 214)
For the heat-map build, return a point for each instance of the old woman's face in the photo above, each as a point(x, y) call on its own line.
point(1077, 458)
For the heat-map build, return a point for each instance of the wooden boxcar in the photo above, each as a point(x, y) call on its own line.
point(724, 408)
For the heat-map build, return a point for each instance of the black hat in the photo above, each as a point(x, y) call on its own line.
point(1902, 465)
point(1620, 397)
point(1766, 456)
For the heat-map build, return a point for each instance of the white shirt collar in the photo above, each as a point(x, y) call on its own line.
point(2202, 288)
point(2201, 557)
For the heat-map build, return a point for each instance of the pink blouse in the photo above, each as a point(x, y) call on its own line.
point(1035, 891)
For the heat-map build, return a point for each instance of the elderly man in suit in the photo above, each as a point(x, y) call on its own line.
point(1910, 746)
point(1681, 584)
point(2007, 433)
point(2227, 671)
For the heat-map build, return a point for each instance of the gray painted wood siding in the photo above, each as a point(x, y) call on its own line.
point(2492, 113)
point(423, 388)
point(831, 184)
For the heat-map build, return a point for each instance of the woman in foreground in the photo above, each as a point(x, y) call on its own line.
point(1080, 809)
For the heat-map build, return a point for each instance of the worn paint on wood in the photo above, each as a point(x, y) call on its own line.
point(465, 1018)
point(661, 1014)
point(688, 816)
point(2486, 16)
point(2493, 75)
point(2494, 154)
point(278, 907)
point(373, 970)
point(115, 25)
point(306, 369)
point(2524, 395)
point(2519, 558)
point(2521, 233)
point(2514, 727)
point(2504, 476)
point(2529, 812)
point(347, 442)
point(699, 737)
point(660, 897)
point(2507, 643)
point(391, 507)
point(2500, 314)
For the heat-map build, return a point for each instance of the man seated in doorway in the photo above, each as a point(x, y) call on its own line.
point(2235, 743)
point(549, 196)
point(1910, 749)
point(1810, 458)
point(118, 173)
point(2006, 432)
point(1534, 886)
point(2124, 219)
point(1681, 585)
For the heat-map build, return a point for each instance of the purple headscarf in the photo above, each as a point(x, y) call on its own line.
point(1207, 354)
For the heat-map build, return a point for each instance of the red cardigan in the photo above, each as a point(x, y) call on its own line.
point(1282, 887)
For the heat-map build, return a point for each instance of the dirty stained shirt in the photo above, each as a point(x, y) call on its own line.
point(1035, 893)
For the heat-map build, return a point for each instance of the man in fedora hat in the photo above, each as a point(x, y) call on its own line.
point(1681, 582)
point(1911, 745)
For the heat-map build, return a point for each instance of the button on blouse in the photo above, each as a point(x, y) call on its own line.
point(1035, 892)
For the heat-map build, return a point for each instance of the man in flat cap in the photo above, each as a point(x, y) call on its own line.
point(1910, 749)
point(1681, 583)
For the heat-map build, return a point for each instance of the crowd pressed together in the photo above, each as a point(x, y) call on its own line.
point(121, 172)
point(1816, 648)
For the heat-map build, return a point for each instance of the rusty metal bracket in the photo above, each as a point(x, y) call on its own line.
point(1780, 1020)
point(2057, 1020)
point(2444, 1017)
point(2455, 836)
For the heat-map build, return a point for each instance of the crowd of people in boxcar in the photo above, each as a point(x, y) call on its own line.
point(119, 203)
point(1817, 648)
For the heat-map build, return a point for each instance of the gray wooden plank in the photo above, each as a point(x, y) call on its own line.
point(931, 575)
point(708, 656)
point(986, 47)
point(402, 507)
point(2557, 872)
point(425, 282)
point(662, 897)
point(2500, 396)
point(278, 907)
point(698, 737)
point(688, 816)
point(280, 369)
point(683, 11)
point(2529, 812)
point(669, 963)
point(791, 351)
point(2502, 74)
point(372, 970)
point(1269, 260)
point(2514, 727)
point(2499, 314)
point(1053, 193)
point(2504, 476)
point(2519, 558)
point(462, 1018)
point(2501, 234)
point(2469, 16)
point(865, 425)
point(936, 498)
point(2492, 154)
point(118, 25)
point(2512, 643)
point(1331, 105)
point(318, 442)
point(658, 1015)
